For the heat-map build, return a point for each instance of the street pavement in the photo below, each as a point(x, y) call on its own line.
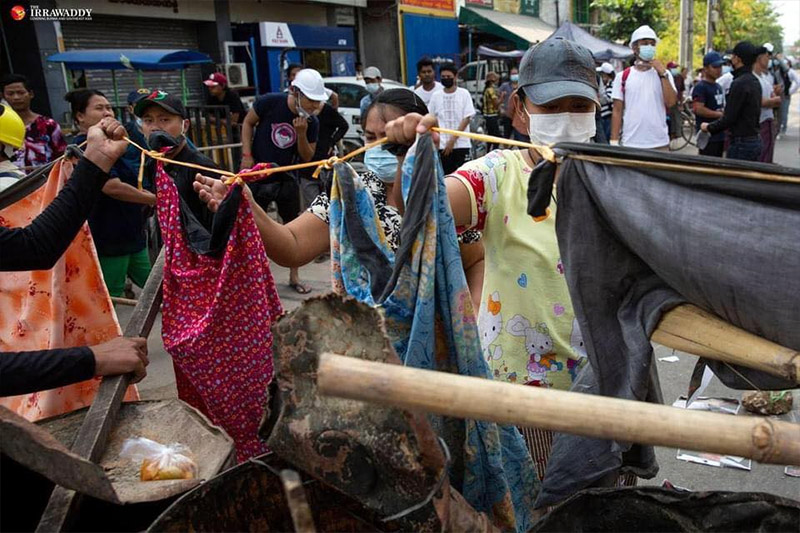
point(160, 381)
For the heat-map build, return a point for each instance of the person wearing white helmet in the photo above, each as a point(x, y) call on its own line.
point(638, 93)
point(12, 137)
point(282, 129)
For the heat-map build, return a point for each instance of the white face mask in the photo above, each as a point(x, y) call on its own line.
point(561, 127)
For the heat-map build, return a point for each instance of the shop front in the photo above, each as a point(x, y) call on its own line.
point(328, 49)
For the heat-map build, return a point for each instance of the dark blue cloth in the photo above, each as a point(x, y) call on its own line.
point(118, 228)
point(745, 149)
point(710, 95)
point(275, 139)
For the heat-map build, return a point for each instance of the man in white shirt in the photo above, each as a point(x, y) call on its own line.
point(726, 79)
point(642, 95)
point(791, 84)
point(453, 108)
point(770, 99)
point(427, 77)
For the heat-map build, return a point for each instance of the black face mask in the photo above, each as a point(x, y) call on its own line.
point(448, 82)
point(161, 139)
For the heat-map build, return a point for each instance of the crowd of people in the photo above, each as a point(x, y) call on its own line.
point(558, 93)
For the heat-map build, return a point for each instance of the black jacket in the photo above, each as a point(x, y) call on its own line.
point(39, 245)
point(332, 127)
point(742, 108)
point(26, 372)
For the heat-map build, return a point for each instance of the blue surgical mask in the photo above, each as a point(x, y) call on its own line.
point(373, 88)
point(726, 69)
point(515, 78)
point(382, 163)
point(647, 52)
point(674, 71)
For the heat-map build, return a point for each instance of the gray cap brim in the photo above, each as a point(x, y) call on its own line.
point(542, 93)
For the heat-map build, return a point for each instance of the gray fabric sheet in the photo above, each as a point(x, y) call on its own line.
point(636, 242)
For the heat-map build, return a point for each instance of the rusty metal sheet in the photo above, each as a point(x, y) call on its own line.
point(250, 497)
point(389, 459)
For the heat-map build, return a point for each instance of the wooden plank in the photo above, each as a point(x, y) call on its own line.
point(35, 448)
point(762, 439)
point(690, 329)
point(101, 417)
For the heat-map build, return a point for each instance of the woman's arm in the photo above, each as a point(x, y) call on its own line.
point(472, 257)
point(404, 130)
point(291, 245)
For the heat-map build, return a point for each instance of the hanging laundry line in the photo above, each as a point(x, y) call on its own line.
point(545, 151)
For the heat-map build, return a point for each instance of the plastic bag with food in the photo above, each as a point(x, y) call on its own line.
point(159, 461)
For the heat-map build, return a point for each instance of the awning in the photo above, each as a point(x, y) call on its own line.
point(522, 30)
point(485, 51)
point(601, 50)
point(129, 58)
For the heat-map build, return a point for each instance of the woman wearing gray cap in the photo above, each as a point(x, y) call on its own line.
point(527, 324)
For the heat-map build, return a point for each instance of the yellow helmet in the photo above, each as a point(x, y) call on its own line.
point(12, 129)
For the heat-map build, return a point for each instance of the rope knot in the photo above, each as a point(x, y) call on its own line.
point(327, 165)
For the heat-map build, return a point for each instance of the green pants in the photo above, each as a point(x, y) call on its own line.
point(119, 267)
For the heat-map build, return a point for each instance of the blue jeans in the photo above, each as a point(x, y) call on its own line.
point(785, 104)
point(745, 148)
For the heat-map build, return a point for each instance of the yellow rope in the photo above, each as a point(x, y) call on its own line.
point(545, 151)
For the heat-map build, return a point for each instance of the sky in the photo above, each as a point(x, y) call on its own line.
point(789, 18)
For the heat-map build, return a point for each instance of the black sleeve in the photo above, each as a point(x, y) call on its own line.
point(732, 109)
point(39, 245)
point(260, 105)
point(26, 372)
point(341, 127)
point(235, 104)
point(313, 130)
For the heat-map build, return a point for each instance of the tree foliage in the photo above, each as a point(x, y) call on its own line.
point(621, 17)
point(739, 20)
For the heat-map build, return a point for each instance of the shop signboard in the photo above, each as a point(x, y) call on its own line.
point(276, 35)
point(441, 5)
point(507, 6)
point(488, 4)
point(529, 7)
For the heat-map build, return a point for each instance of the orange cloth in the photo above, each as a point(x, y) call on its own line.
point(63, 307)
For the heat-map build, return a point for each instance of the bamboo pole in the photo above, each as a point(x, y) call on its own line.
point(690, 329)
point(762, 439)
point(124, 301)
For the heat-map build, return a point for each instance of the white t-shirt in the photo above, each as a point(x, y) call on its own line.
point(795, 81)
point(767, 81)
point(644, 116)
point(426, 95)
point(451, 109)
point(725, 81)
